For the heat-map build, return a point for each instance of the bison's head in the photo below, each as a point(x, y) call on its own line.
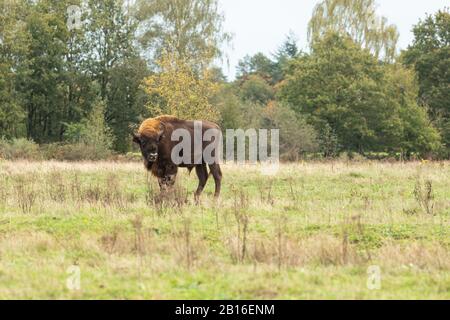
point(149, 139)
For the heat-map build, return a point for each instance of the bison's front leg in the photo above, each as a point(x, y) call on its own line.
point(166, 182)
point(167, 177)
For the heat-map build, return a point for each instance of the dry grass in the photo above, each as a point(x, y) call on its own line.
point(310, 232)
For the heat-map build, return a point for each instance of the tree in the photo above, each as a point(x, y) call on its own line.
point(270, 70)
point(79, 89)
point(255, 78)
point(13, 65)
point(126, 100)
point(192, 29)
point(296, 135)
point(230, 106)
point(342, 89)
point(113, 62)
point(429, 55)
point(109, 37)
point(180, 90)
point(285, 53)
point(417, 133)
point(91, 138)
point(258, 64)
point(289, 48)
point(44, 83)
point(357, 19)
point(256, 89)
point(45, 76)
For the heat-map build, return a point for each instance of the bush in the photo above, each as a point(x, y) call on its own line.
point(297, 137)
point(28, 150)
point(92, 132)
point(91, 139)
point(75, 152)
point(351, 156)
point(19, 149)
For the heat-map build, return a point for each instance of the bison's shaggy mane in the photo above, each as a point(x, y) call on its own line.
point(151, 127)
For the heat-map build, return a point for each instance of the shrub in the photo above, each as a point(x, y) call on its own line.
point(19, 149)
point(92, 131)
point(76, 152)
point(91, 139)
point(297, 137)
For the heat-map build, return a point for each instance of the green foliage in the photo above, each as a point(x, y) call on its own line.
point(90, 139)
point(329, 144)
point(258, 64)
point(271, 70)
point(367, 105)
point(54, 75)
point(19, 149)
point(285, 53)
point(92, 131)
point(297, 137)
point(429, 55)
point(256, 89)
point(126, 101)
point(43, 83)
point(53, 79)
point(109, 36)
point(117, 67)
point(13, 40)
point(230, 106)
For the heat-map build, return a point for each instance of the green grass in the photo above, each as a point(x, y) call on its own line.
point(310, 232)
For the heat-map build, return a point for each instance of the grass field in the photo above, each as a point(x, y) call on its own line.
point(311, 232)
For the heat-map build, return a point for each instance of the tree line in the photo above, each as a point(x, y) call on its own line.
point(82, 77)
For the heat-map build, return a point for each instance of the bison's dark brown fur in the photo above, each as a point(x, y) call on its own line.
point(154, 140)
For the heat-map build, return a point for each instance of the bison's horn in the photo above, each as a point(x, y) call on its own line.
point(136, 137)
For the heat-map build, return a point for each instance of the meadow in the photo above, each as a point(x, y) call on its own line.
point(314, 231)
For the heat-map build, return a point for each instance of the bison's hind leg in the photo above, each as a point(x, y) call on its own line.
point(217, 174)
point(202, 174)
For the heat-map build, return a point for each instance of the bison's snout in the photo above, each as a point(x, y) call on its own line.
point(152, 157)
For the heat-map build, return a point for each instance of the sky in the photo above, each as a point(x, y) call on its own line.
point(262, 25)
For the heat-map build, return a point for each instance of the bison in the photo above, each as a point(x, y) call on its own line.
point(155, 141)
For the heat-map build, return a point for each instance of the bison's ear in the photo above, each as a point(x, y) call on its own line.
point(136, 138)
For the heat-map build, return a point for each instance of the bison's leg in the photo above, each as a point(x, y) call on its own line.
point(217, 174)
point(167, 182)
point(168, 177)
point(202, 174)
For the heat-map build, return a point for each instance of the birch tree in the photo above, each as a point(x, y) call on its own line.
point(357, 19)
